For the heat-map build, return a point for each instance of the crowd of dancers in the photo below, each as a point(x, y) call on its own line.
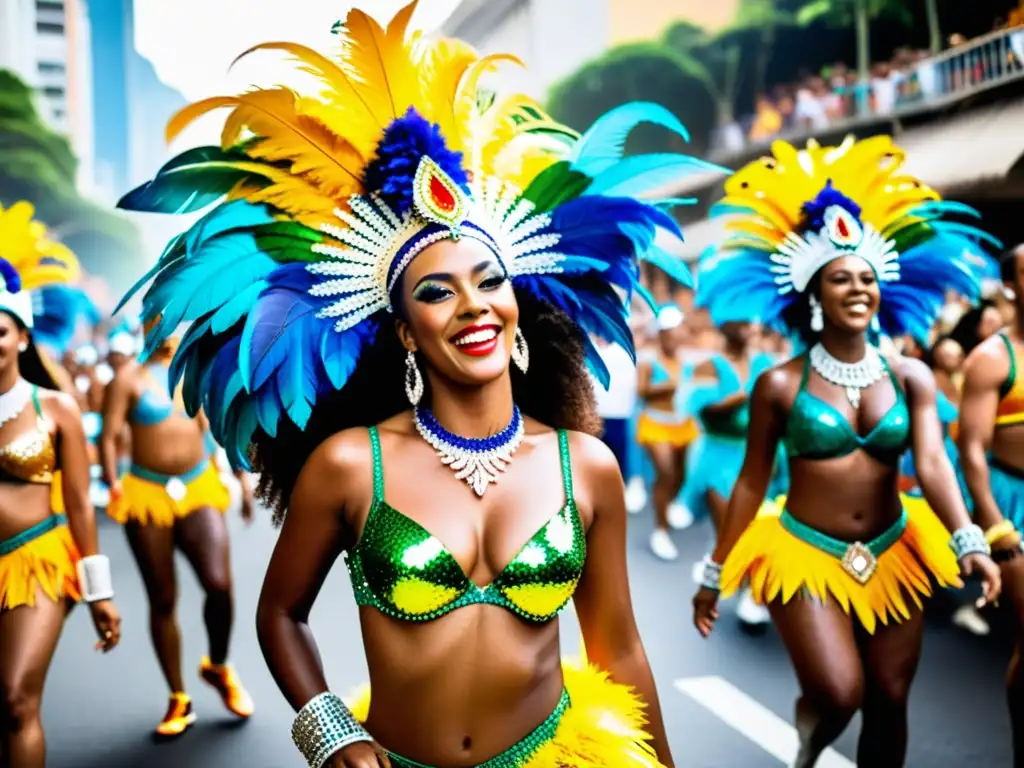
point(393, 313)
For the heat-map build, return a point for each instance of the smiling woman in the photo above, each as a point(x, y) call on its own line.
point(402, 351)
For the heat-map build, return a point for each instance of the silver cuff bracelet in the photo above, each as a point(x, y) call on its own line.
point(712, 575)
point(324, 726)
point(969, 540)
point(94, 578)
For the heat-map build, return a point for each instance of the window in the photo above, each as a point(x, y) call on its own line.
point(53, 91)
point(49, 28)
point(50, 5)
point(51, 68)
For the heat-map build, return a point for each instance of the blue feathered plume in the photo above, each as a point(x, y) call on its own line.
point(814, 210)
point(57, 310)
point(406, 141)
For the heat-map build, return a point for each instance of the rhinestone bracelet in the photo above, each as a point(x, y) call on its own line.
point(712, 575)
point(324, 726)
point(969, 540)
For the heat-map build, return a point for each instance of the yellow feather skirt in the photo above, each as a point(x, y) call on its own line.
point(47, 562)
point(602, 728)
point(777, 565)
point(650, 431)
point(150, 503)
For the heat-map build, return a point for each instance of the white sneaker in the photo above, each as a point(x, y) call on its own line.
point(750, 613)
point(967, 617)
point(636, 495)
point(662, 546)
point(679, 516)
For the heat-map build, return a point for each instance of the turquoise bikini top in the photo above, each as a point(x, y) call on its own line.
point(153, 407)
point(816, 430)
point(733, 425)
point(402, 570)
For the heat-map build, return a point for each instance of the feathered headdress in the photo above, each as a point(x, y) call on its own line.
point(29, 260)
point(792, 213)
point(57, 310)
point(324, 200)
point(125, 336)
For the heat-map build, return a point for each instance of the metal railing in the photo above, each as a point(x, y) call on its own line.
point(980, 64)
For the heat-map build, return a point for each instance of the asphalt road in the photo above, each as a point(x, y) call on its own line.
point(727, 701)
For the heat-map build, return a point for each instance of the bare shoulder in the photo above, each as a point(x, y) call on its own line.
point(916, 376)
point(778, 384)
point(595, 467)
point(343, 456)
point(705, 369)
point(59, 405)
point(988, 363)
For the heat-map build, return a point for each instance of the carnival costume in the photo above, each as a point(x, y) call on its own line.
point(328, 199)
point(656, 427)
point(43, 556)
point(149, 497)
point(793, 213)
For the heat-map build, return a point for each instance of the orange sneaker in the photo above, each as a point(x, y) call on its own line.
point(179, 717)
point(224, 679)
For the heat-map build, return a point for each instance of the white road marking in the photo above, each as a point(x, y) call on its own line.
point(750, 718)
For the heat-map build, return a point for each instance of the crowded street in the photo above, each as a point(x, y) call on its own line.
point(727, 701)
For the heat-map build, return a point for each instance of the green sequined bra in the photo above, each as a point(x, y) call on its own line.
point(817, 430)
point(401, 569)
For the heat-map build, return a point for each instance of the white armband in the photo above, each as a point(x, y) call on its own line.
point(94, 578)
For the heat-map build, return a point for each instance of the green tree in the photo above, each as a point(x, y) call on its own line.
point(40, 166)
point(859, 13)
point(648, 71)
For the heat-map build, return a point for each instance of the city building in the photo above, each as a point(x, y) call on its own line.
point(555, 37)
point(132, 106)
point(47, 43)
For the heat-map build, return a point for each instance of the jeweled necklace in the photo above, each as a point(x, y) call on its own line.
point(477, 460)
point(14, 400)
point(854, 377)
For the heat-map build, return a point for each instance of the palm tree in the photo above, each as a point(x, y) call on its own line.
point(859, 13)
point(763, 18)
point(934, 30)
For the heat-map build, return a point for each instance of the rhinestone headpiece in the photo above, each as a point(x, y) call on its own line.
point(799, 258)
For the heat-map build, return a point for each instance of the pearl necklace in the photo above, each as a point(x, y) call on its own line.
point(14, 400)
point(854, 377)
point(479, 461)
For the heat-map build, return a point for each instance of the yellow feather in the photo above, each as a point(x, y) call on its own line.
point(25, 244)
point(380, 63)
point(472, 132)
point(339, 103)
point(444, 62)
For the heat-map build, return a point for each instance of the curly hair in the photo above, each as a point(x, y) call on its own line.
point(556, 391)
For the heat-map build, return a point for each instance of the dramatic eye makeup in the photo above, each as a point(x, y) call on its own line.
point(436, 287)
point(431, 292)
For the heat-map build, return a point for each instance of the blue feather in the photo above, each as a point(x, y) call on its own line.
point(605, 141)
point(641, 174)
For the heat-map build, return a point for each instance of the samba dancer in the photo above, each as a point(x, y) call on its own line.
point(432, 245)
point(842, 565)
point(48, 558)
point(172, 497)
point(991, 442)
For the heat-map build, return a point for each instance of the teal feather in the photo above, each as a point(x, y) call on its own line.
point(638, 175)
point(605, 141)
point(190, 182)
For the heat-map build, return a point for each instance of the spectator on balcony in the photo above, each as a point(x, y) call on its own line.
point(809, 110)
point(884, 88)
point(767, 122)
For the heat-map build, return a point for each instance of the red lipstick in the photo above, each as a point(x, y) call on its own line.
point(477, 340)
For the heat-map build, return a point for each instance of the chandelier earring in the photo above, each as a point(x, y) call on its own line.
point(23, 346)
point(817, 318)
point(520, 351)
point(413, 379)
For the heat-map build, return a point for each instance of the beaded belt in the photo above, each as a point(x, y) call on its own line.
point(858, 559)
point(175, 485)
point(514, 756)
point(30, 534)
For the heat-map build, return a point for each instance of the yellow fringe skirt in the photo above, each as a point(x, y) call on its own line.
point(602, 726)
point(43, 557)
point(651, 430)
point(778, 564)
point(151, 498)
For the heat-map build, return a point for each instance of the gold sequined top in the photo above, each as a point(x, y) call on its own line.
point(30, 457)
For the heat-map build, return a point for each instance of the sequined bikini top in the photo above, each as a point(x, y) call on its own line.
point(1011, 394)
point(405, 572)
point(31, 456)
point(153, 407)
point(816, 430)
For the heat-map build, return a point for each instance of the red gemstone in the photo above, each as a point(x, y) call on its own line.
point(441, 195)
point(844, 231)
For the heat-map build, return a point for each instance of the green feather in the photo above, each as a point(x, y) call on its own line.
point(190, 182)
point(557, 184)
point(287, 241)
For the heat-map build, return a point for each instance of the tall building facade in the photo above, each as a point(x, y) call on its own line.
point(47, 43)
point(555, 37)
point(132, 107)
